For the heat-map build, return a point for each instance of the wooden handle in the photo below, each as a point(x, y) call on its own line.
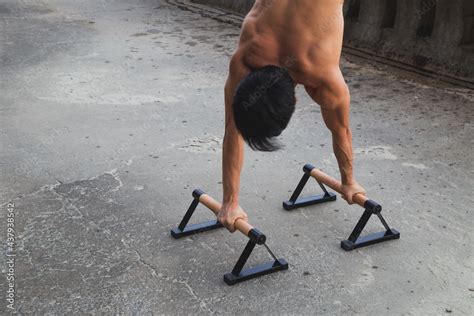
point(320, 176)
point(215, 207)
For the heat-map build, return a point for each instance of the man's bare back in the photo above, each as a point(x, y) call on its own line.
point(301, 35)
point(297, 41)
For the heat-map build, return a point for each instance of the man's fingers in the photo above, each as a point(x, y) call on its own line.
point(229, 221)
point(243, 217)
point(230, 226)
point(226, 223)
point(350, 201)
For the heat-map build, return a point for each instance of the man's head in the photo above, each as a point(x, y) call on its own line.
point(263, 105)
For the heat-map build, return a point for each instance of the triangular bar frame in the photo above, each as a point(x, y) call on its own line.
point(355, 240)
point(238, 274)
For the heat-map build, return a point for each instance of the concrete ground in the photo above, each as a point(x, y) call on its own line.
point(111, 112)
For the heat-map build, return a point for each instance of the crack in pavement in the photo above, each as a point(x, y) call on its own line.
point(154, 272)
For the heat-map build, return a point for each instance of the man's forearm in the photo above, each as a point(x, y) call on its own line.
point(232, 161)
point(342, 145)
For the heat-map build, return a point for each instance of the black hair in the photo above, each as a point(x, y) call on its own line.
point(263, 105)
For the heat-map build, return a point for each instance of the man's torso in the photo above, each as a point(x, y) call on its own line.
point(304, 36)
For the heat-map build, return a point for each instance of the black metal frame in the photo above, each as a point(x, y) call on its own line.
point(255, 238)
point(183, 230)
point(355, 240)
point(238, 275)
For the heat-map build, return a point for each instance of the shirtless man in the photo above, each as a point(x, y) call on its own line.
point(284, 43)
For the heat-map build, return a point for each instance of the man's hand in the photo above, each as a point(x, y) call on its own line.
point(229, 214)
point(349, 190)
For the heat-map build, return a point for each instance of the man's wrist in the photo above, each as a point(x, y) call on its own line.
point(232, 200)
point(347, 180)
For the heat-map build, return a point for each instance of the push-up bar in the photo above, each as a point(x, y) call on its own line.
point(255, 238)
point(354, 241)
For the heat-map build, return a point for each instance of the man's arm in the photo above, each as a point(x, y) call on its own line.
point(337, 121)
point(334, 98)
point(232, 152)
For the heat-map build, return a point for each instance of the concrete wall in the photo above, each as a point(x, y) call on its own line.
point(436, 35)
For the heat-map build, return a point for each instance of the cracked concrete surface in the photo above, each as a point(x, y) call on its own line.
point(111, 114)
